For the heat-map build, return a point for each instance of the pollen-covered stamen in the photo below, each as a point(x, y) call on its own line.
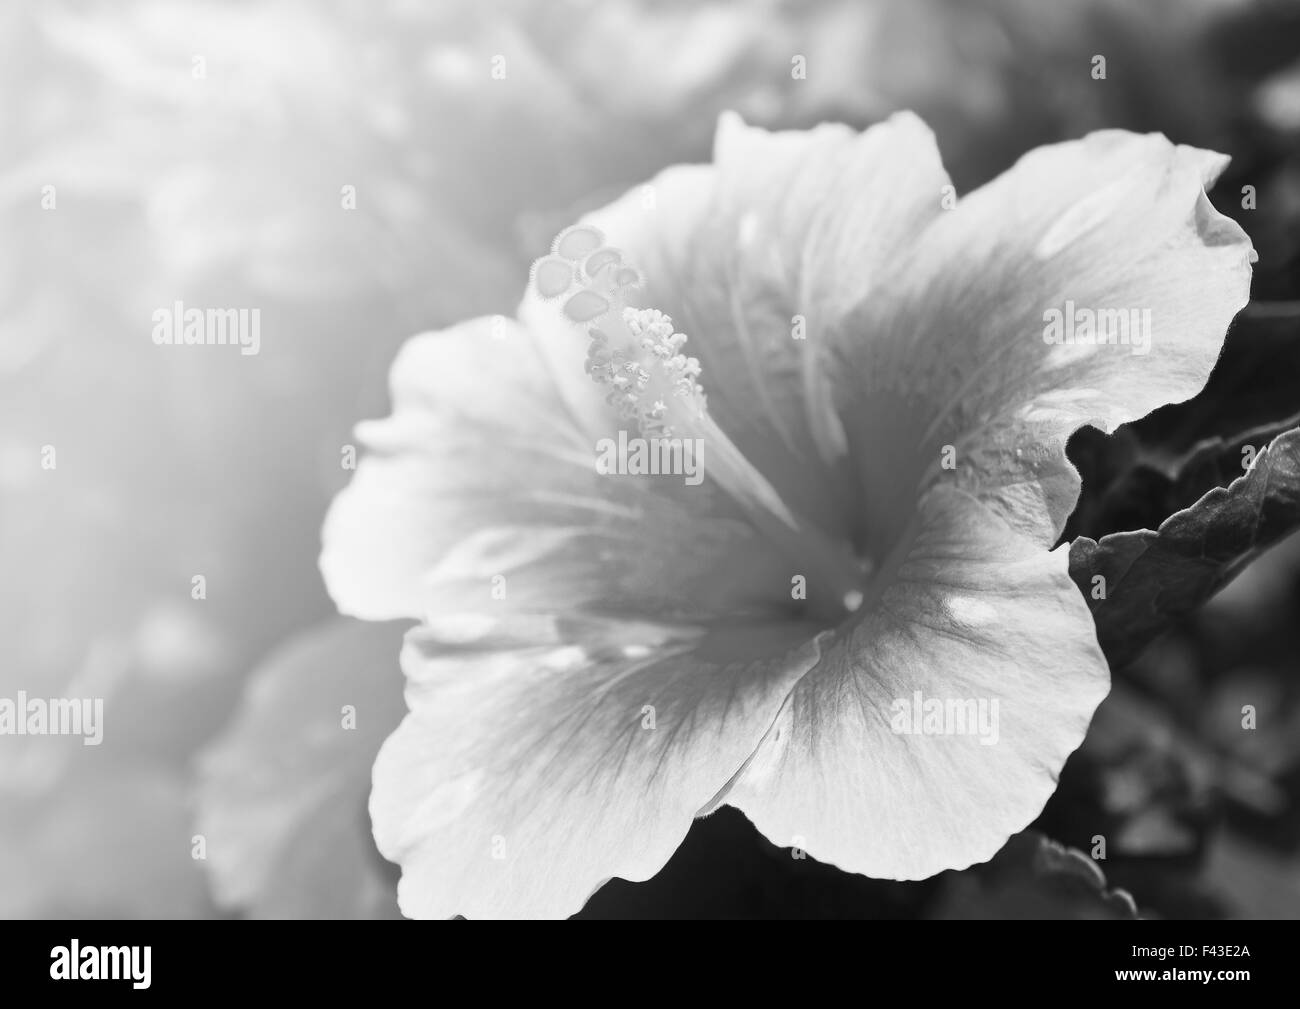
point(637, 355)
point(634, 352)
point(650, 381)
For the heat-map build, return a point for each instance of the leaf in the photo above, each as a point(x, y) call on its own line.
point(1147, 470)
point(1033, 877)
point(283, 792)
point(1154, 576)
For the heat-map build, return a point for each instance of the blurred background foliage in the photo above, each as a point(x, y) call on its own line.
point(225, 188)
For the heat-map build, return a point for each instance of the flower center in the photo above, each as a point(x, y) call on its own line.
point(636, 355)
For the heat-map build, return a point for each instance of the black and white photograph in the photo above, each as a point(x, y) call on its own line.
point(650, 460)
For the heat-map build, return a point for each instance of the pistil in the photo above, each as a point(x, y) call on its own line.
point(637, 356)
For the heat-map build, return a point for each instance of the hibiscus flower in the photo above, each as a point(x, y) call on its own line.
point(822, 630)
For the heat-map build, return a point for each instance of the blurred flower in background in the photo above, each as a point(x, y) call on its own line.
point(159, 151)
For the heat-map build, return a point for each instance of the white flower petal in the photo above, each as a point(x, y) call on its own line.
point(976, 614)
point(523, 779)
point(950, 350)
point(480, 496)
point(783, 225)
